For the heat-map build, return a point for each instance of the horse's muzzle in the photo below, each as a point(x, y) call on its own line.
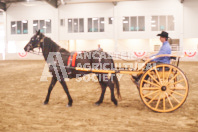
point(27, 48)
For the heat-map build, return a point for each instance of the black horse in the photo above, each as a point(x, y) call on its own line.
point(48, 46)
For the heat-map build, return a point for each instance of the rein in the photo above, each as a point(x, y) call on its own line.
point(41, 53)
point(66, 54)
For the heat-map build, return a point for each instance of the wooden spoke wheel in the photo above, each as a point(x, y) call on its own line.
point(155, 77)
point(163, 88)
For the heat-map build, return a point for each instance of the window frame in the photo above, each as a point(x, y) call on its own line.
point(110, 20)
point(22, 22)
point(130, 25)
point(99, 25)
point(80, 28)
point(167, 27)
point(44, 29)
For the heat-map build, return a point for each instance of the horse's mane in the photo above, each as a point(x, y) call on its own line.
point(54, 46)
point(63, 50)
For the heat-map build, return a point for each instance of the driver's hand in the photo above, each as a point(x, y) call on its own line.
point(145, 58)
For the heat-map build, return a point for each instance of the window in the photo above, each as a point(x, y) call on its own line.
point(43, 25)
point(19, 27)
point(13, 27)
point(25, 27)
point(133, 26)
point(141, 23)
point(96, 24)
point(171, 23)
point(89, 24)
point(110, 20)
point(126, 24)
point(174, 43)
point(134, 23)
point(81, 25)
point(154, 23)
point(101, 24)
point(75, 25)
point(161, 23)
point(62, 22)
point(70, 25)
point(35, 26)
point(48, 26)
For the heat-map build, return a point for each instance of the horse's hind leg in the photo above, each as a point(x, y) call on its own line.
point(67, 92)
point(53, 82)
point(103, 86)
point(104, 82)
point(111, 86)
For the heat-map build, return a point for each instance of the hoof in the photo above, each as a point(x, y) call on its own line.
point(115, 103)
point(69, 105)
point(98, 103)
point(45, 103)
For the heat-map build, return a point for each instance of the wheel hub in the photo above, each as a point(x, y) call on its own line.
point(163, 88)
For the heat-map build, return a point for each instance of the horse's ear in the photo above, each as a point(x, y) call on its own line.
point(38, 32)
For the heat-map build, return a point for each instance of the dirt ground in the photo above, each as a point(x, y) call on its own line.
point(22, 95)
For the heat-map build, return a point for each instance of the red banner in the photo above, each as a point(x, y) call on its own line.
point(139, 53)
point(23, 54)
point(190, 53)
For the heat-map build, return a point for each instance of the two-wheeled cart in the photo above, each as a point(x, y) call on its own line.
point(162, 87)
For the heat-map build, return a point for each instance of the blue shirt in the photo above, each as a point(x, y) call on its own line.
point(165, 49)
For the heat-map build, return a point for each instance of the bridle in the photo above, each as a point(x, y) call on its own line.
point(38, 46)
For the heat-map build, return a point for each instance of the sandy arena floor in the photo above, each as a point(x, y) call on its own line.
point(22, 95)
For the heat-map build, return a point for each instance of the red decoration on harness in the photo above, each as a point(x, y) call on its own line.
point(73, 62)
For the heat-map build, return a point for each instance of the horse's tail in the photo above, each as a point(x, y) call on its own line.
point(116, 82)
point(116, 85)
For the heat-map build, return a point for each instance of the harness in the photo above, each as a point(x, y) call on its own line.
point(41, 41)
point(72, 59)
point(39, 46)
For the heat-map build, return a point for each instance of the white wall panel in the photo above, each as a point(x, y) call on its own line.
point(86, 11)
point(113, 38)
point(30, 12)
point(190, 19)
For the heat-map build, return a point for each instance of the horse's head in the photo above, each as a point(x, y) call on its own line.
point(34, 42)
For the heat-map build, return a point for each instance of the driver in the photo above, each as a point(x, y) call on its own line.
point(165, 49)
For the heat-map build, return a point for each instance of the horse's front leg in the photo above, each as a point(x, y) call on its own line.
point(63, 83)
point(52, 84)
